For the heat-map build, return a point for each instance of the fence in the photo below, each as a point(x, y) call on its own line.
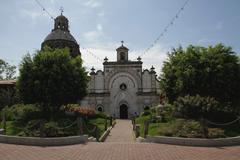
point(188, 141)
point(80, 124)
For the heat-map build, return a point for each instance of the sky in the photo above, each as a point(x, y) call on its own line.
point(101, 25)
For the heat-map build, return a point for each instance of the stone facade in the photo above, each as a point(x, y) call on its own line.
point(122, 89)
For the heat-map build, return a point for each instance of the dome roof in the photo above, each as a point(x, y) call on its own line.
point(62, 17)
point(60, 37)
point(59, 34)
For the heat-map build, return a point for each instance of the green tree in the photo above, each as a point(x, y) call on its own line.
point(7, 71)
point(52, 78)
point(210, 72)
point(7, 94)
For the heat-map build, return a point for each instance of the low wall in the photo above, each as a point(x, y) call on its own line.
point(195, 141)
point(106, 133)
point(36, 141)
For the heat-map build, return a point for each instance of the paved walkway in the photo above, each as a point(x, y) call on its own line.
point(117, 151)
point(121, 132)
point(122, 149)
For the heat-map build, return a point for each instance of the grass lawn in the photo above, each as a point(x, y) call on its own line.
point(154, 128)
point(177, 127)
point(10, 129)
point(100, 123)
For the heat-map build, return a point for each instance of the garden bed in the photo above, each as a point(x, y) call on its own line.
point(178, 127)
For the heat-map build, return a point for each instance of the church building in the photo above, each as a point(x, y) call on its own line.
point(122, 89)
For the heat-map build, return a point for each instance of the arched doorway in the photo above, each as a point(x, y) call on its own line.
point(123, 111)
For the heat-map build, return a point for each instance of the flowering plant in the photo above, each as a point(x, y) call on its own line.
point(77, 109)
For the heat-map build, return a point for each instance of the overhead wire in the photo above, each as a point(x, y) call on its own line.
point(165, 30)
point(44, 9)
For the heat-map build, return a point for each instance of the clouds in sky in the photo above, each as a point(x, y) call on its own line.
point(93, 3)
point(155, 57)
point(100, 25)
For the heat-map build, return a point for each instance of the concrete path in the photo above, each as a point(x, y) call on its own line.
point(121, 132)
point(118, 151)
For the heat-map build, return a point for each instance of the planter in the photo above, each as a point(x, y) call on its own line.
point(194, 141)
point(36, 141)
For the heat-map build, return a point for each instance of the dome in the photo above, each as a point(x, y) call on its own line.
point(60, 37)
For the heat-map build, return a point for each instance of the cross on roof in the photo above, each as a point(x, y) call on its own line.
point(61, 10)
point(122, 42)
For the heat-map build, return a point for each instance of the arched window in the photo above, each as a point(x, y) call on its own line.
point(146, 107)
point(123, 86)
point(122, 56)
point(100, 108)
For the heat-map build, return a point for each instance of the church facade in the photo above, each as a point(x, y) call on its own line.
point(122, 89)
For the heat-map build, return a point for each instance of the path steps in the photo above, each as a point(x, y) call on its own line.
point(121, 132)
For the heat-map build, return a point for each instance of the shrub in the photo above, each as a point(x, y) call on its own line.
point(146, 113)
point(79, 110)
point(101, 115)
point(182, 128)
point(172, 128)
point(196, 107)
point(216, 133)
point(23, 113)
point(191, 129)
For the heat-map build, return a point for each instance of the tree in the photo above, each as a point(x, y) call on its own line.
point(52, 78)
point(7, 94)
point(7, 71)
point(8, 97)
point(210, 72)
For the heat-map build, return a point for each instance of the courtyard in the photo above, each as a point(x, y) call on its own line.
point(119, 145)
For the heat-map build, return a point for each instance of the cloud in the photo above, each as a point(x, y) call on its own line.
point(52, 1)
point(93, 3)
point(101, 14)
point(32, 14)
point(155, 57)
point(94, 35)
point(99, 27)
point(219, 26)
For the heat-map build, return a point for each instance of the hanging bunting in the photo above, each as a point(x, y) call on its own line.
point(166, 28)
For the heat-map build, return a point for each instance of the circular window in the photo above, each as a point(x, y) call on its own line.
point(100, 109)
point(123, 86)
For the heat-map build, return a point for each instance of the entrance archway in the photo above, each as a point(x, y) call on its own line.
point(123, 111)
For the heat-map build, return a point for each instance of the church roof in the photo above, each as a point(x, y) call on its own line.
point(62, 17)
point(59, 34)
point(122, 47)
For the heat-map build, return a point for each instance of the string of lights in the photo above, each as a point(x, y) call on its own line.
point(92, 54)
point(44, 9)
point(165, 30)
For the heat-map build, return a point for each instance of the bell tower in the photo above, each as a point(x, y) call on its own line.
point(122, 53)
